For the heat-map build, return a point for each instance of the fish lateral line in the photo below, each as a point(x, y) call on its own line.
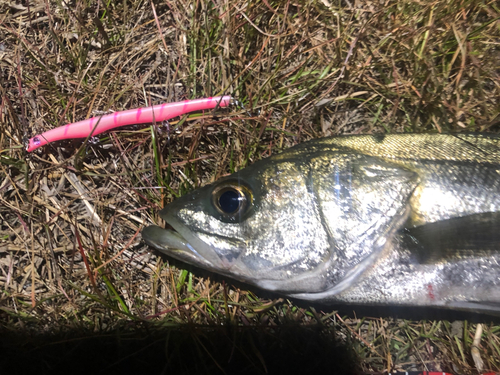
point(100, 124)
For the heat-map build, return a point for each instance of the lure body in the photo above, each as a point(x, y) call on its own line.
point(98, 125)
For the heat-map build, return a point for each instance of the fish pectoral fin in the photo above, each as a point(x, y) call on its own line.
point(462, 237)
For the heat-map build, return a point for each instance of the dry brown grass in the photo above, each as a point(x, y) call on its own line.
point(71, 256)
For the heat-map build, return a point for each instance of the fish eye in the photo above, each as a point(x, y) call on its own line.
point(231, 200)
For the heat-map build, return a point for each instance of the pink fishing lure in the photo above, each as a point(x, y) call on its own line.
point(98, 125)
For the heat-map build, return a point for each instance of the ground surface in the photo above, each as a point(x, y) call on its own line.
point(79, 287)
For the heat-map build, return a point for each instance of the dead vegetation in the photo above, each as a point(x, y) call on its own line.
point(71, 256)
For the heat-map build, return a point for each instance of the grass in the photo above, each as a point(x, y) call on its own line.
point(74, 273)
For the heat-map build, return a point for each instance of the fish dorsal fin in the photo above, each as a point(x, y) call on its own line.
point(462, 237)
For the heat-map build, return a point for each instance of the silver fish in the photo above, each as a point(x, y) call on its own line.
point(403, 219)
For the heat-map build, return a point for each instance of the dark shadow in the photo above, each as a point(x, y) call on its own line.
point(141, 348)
point(160, 348)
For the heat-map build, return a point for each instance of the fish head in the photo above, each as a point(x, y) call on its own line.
point(281, 224)
point(252, 226)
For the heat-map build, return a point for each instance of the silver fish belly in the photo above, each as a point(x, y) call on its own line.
point(407, 219)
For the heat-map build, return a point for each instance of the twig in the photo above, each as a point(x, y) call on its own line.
point(474, 350)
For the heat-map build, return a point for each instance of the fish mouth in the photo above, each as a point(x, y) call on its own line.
point(181, 244)
point(171, 243)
